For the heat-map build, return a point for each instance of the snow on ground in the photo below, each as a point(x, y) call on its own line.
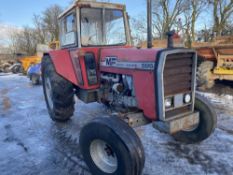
point(30, 143)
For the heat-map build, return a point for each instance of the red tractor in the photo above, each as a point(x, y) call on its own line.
point(97, 63)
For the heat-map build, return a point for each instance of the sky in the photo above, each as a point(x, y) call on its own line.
point(20, 12)
point(15, 14)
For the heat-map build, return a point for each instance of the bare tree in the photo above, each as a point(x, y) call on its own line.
point(24, 41)
point(222, 12)
point(196, 6)
point(193, 10)
point(45, 30)
point(229, 28)
point(139, 29)
point(50, 20)
point(165, 14)
point(40, 31)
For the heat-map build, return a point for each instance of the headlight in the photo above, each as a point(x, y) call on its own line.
point(168, 102)
point(187, 98)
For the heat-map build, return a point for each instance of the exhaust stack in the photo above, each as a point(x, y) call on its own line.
point(149, 24)
point(170, 42)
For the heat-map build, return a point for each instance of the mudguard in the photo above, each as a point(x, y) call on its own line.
point(63, 64)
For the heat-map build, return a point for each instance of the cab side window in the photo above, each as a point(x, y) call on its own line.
point(68, 30)
point(70, 23)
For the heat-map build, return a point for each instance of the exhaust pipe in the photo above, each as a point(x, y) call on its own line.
point(170, 42)
point(149, 24)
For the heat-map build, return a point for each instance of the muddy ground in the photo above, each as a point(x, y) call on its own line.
point(30, 143)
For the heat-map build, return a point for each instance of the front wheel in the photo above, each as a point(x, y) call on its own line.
point(206, 126)
point(110, 147)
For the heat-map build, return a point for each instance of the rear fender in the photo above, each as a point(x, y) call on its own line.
point(63, 64)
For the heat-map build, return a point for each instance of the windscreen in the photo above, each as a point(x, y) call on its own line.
point(102, 27)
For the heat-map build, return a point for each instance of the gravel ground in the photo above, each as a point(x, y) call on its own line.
point(30, 143)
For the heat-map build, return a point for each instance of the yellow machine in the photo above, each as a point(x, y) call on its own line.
point(28, 61)
point(216, 61)
point(54, 45)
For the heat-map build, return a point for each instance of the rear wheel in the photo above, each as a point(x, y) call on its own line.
point(58, 92)
point(110, 147)
point(206, 126)
point(204, 73)
point(16, 69)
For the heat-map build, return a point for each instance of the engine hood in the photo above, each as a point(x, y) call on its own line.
point(140, 65)
point(128, 58)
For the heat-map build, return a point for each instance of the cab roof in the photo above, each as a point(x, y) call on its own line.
point(92, 4)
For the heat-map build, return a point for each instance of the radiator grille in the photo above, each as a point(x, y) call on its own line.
point(178, 77)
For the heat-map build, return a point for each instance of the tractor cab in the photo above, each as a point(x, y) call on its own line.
point(93, 24)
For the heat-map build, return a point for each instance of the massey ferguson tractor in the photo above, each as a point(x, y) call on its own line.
point(97, 63)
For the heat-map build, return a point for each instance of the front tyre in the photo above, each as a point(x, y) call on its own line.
point(58, 92)
point(110, 147)
point(206, 126)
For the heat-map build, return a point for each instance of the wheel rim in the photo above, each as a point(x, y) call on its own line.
point(103, 156)
point(48, 90)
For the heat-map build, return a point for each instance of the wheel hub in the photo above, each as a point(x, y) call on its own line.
point(103, 156)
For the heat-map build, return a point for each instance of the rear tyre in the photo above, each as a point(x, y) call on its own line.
point(204, 75)
point(206, 126)
point(110, 147)
point(58, 92)
point(16, 69)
